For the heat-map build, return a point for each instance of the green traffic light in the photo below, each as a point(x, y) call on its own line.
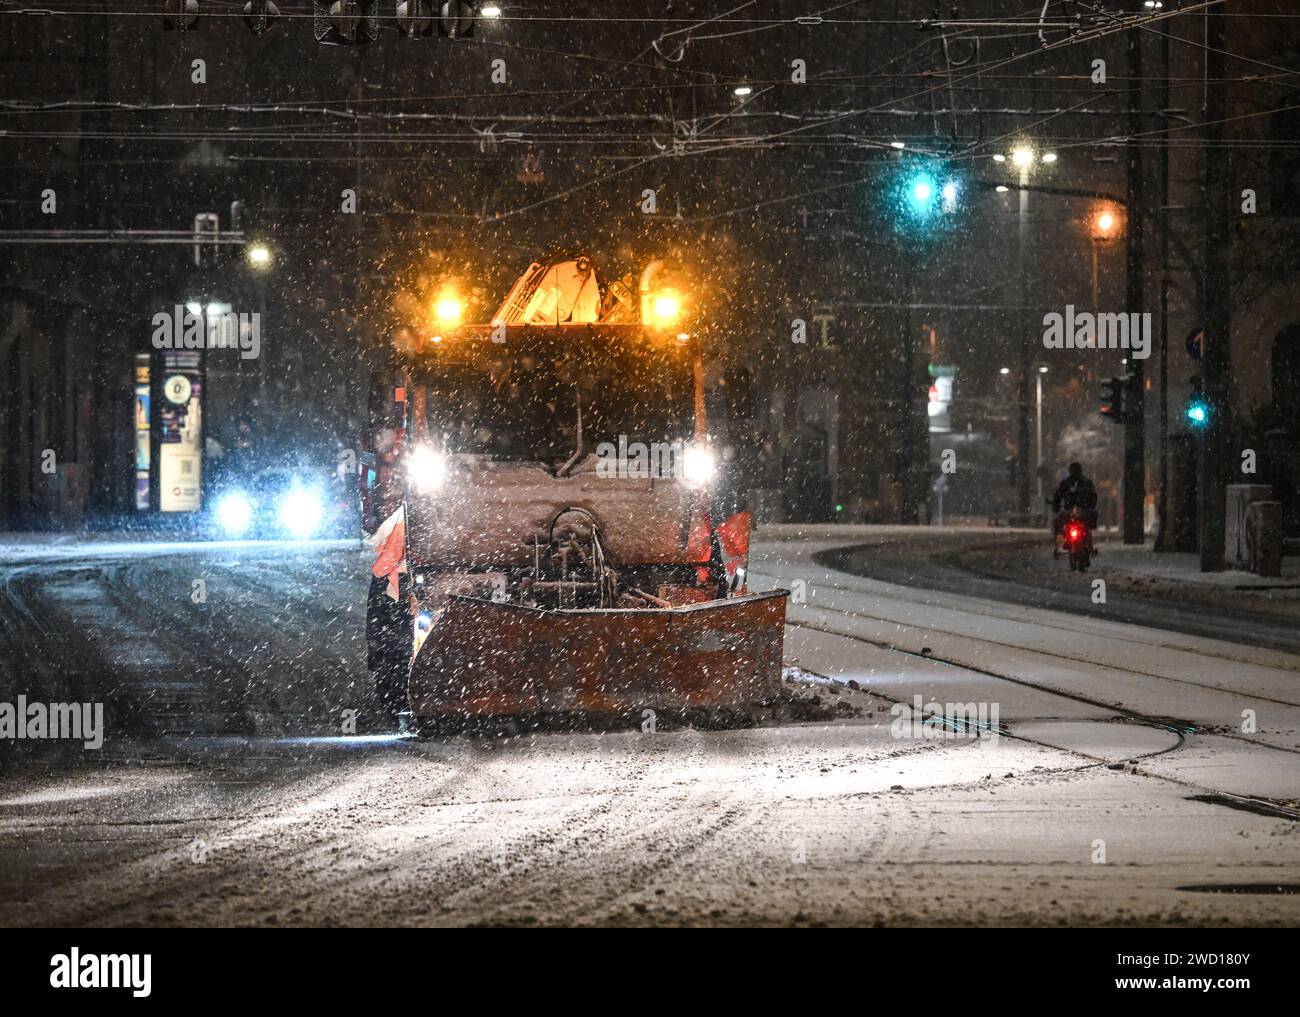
point(921, 196)
point(1198, 413)
point(920, 193)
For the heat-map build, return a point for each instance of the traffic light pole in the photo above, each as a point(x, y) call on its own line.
point(1164, 539)
point(1134, 410)
point(911, 503)
point(1214, 345)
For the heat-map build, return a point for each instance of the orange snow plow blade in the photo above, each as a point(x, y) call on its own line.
point(484, 659)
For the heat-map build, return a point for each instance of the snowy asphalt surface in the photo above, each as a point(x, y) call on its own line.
point(1018, 568)
point(225, 794)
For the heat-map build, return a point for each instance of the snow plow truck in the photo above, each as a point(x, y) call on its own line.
point(558, 534)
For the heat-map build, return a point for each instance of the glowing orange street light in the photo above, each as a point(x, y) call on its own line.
point(1106, 221)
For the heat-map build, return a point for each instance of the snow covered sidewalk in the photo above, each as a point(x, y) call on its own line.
point(1186, 568)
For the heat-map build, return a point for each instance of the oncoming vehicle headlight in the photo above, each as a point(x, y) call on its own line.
point(698, 465)
point(300, 512)
point(234, 512)
point(426, 468)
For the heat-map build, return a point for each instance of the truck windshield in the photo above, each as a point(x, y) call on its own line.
point(522, 402)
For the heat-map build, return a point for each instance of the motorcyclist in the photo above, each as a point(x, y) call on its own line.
point(1075, 494)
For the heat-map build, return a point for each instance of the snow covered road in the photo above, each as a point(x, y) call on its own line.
point(1116, 775)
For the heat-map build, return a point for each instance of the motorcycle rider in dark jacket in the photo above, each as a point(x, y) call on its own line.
point(1075, 493)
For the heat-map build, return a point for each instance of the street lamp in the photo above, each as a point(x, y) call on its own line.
point(1023, 157)
point(259, 255)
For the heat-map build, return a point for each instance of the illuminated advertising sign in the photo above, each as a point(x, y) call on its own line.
point(180, 432)
point(142, 432)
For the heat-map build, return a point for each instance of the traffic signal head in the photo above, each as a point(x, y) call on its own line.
point(920, 193)
point(949, 196)
point(923, 188)
point(1197, 410)
point(1112, 400)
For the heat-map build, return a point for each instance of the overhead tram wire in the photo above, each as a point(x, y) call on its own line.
point(720, 80)
point(21, 107)
point(942, 84)
point(756, 24)
point(1286, 71)
point(764, 139)
point(1014, 58)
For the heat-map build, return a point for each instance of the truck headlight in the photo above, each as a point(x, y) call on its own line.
point(698, 465)
point(426, 468)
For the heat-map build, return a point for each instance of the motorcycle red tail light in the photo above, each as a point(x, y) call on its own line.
point(1074, 532)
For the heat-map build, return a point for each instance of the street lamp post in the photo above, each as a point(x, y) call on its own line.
point(260, 258)
point(1023, 159)
point(1105, 224)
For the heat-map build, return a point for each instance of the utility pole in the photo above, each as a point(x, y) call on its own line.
point(910, 502)
point(1218, 313)
point(1163, 536)
point(1135, 428)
